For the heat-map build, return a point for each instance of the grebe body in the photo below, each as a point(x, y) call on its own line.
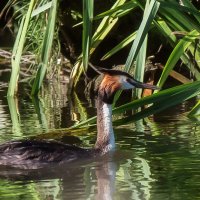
point(36, 154)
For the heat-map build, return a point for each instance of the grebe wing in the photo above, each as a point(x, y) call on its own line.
point(39, 153)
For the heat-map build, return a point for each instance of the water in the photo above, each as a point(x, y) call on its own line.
point(158, 159)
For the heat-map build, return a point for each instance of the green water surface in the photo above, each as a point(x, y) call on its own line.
point(158, 158)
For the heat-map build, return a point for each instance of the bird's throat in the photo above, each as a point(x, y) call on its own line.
point(105, 135)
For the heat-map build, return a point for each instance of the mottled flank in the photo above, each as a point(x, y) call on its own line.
point(35, 154)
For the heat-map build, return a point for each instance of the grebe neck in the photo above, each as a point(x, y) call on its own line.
point(105, 135)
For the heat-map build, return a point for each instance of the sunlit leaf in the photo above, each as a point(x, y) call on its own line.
point(15, 116)
point(140, 66)
point(119, 10)
point(121, 45)
point(41, 9)
point(101, 32)
point(195, 110)
point(176, 54)
point(194, 11)
point(150, 13)
point(18, 48)
point(142, 31)
point(187, 7)
point(179, 77)
point(141, 60)
point(171, 96)
point(88, 7)
point(46, 48)
point(178, 20)
point(161, 101)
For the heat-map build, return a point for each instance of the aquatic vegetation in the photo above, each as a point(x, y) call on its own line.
point(175, 23)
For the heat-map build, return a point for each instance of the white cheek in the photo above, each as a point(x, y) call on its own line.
point(124, 84)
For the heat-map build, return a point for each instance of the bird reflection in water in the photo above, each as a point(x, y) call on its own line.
point(78, 181)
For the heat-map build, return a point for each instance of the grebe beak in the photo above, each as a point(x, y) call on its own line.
point(139, 84)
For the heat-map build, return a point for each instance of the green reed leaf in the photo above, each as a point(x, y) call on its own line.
point(17, 50)
point(101, 32)
point(161, 100)
point(41, 9)
point(149, 15)
point(195, 110)
point(46, 48)
point(119, 10)
point(178, 51)
point(120, 46)
point(88, 7)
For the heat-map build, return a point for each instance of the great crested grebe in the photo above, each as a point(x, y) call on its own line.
point(37, 154)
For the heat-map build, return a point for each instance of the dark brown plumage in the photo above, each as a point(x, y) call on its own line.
point(35, 153)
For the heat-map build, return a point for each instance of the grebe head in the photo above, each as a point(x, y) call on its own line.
point(115, 80)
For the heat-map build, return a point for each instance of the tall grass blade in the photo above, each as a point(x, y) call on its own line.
point(105, 26)
point(141, 59)
point(187, 7)
point(149, 15)
point(161, 100)
point(119, 10)
point(170, 100)
point(6, 7)
point(165, 30)
point(178, 20)
point(102, 31)
point(41, 9)
point(140, 66)
point(193, 9)
point(178, 51)
point(17, 52)
point(78, 107)
point(195, 110)
point(176, 75)
point(40, 113)
point(142, 31)
point(46, 49)
point(15, 116)
point(168, 34)
point(88, 7)
point(121, 45)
